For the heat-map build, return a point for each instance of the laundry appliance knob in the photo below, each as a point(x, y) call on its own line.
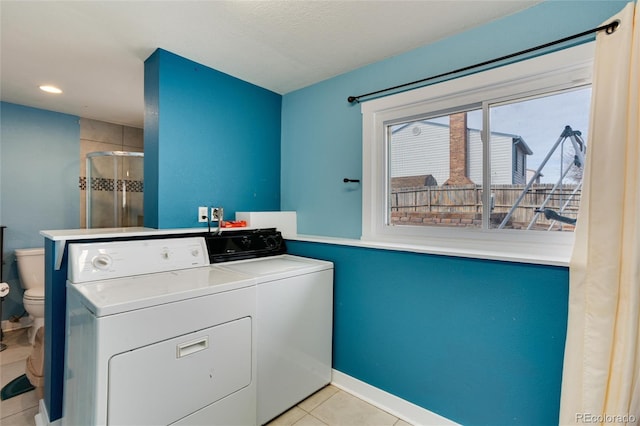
point(102, 262)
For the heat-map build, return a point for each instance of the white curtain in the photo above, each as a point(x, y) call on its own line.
point(601, 374)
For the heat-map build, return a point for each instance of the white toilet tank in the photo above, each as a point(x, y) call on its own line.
point(31, 267)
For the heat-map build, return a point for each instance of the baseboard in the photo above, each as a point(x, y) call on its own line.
point(42, 418)
point(10, 325)
point(392, 404)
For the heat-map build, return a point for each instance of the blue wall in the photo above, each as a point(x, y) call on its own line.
point(39, 169)
point(210, 140)
point(479, 342)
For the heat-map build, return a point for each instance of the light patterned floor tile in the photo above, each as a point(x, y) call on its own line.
point(23, 418)
point(11, 371)
point(318, 398)
point(309, 420)
point(18, 347)
point(345, 409)
point(288, 418)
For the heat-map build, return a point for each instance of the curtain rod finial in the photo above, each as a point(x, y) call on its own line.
point(612, 27)
point(352, 99)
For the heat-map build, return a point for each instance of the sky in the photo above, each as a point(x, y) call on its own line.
point(540, 122)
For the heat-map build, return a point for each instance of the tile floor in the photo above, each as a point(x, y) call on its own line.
point(332, 406)
point(329, 406)
point(21, 409)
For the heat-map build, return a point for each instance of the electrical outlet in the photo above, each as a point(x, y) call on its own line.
point(216, 214)
point(202, 214)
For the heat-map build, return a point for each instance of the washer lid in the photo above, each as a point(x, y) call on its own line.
point(119, 295)
point(277, 267)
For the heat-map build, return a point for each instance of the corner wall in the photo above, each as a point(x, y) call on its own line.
point(210, 140)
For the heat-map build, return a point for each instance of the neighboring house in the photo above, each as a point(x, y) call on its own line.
point(453, 155)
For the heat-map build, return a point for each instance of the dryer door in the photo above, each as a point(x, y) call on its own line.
point(164, 382)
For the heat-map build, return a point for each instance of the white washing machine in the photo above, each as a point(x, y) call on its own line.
point(156, 336)
point(294, 319)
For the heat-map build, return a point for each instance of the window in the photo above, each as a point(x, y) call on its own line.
point(491, 157)
point(555, 173)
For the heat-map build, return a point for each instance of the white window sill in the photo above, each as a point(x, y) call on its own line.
point(513, 252)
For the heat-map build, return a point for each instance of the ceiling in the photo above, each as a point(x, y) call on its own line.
point(95, 50)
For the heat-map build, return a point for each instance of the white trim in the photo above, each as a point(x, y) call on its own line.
point(555, 71)
point(102, 233)
point(42, 418)
point(543, 258)
point(398, 407)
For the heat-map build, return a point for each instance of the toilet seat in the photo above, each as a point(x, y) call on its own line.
point(34, 294)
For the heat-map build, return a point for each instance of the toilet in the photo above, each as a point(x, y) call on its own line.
point(31, 272)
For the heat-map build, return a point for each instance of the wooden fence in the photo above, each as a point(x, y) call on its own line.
point(463, 204)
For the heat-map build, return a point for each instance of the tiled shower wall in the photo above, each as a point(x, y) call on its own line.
point(98, 136)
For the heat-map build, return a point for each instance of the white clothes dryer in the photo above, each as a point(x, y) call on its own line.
point(156, 336)
point(294, 319)
point(294, 329)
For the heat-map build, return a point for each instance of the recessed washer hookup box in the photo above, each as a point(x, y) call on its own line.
point(285, 222)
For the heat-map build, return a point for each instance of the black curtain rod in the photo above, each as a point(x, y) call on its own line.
point(609, 28)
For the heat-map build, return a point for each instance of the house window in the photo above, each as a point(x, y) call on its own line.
point(482, 157)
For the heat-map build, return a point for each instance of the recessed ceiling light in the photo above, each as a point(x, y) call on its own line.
point(50, 89)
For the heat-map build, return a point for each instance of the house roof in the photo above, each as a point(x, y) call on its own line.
point(519, 142)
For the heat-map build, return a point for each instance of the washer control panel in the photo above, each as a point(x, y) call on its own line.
point(100, 261)
point(246, 244)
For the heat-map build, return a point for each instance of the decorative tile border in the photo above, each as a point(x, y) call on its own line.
point(104, 184)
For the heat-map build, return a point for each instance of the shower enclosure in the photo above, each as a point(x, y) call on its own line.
point(114, 189)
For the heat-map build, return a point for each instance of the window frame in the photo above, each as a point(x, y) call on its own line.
point(560, 70)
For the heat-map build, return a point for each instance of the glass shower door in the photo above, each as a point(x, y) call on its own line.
point(115, 183)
